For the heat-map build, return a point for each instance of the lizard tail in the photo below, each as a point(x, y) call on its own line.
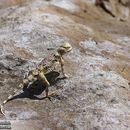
point(9, 98)
point(1, 110)
point(4, 102)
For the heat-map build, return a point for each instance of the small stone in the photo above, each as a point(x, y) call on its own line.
point(100, 74)
point(113, 100)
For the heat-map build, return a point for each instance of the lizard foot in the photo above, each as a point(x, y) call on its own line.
point(50, 96)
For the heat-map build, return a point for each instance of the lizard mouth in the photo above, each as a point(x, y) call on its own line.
point(69, 49)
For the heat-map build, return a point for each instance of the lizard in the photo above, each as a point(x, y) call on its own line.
point(44, 67)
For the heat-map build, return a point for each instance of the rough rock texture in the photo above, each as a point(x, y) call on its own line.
point(120, 9)
point(97, 94)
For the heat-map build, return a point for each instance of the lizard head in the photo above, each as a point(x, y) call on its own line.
point(64, 48)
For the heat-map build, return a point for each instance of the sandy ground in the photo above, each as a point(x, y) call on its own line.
point(97, 94)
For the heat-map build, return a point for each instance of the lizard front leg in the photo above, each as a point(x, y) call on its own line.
point(61, 60)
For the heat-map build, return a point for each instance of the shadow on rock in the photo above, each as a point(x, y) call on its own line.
point(38, 87)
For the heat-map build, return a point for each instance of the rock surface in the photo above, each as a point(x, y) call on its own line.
point(97, 94)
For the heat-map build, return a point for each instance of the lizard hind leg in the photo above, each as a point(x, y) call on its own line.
point(45, 81)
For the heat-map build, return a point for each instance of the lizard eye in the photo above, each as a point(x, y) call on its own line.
point(56, 55)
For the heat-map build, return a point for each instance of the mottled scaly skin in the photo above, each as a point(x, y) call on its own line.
point(46, 65)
